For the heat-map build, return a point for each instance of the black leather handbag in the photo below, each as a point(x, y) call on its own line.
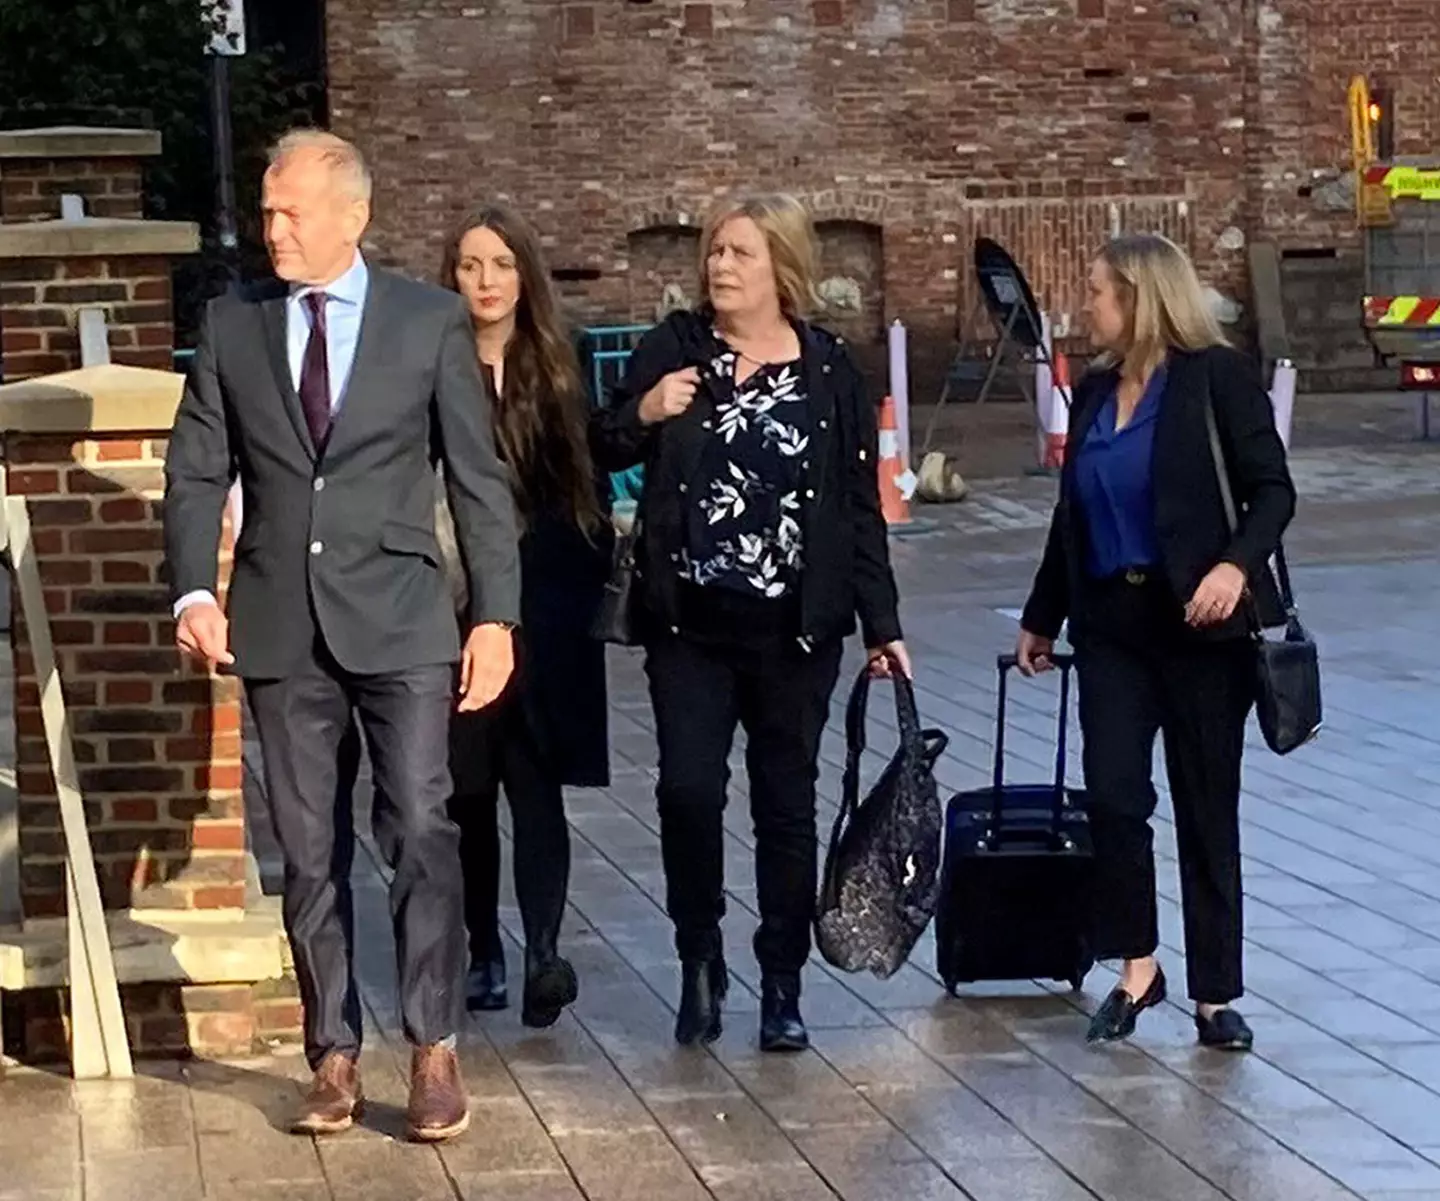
point(881, 880)
point(1287, 669)
point(614, 620)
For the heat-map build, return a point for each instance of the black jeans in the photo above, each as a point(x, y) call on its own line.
point(489, 749)
point(700, 694)
point(1142, 672)
point(307, 739)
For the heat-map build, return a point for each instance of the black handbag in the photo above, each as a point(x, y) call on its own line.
point(614, 620)
point(881, 879)
point(1287, 669)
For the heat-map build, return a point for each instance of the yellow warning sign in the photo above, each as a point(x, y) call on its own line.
point(1406, 183)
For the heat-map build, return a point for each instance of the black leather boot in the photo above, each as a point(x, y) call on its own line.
point(485, 985)
point(781, 1026)
point(703, 984)
point(550, 985)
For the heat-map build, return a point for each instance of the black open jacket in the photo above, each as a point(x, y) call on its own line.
point(846, 569)
point(1189, 514)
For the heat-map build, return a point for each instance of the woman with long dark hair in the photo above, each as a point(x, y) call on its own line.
point(548, 730)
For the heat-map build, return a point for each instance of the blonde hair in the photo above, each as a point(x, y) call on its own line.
point(790, 236)
point(1163, 300)
point(343, 158)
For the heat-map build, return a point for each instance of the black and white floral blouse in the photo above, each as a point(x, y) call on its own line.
point(743, 520)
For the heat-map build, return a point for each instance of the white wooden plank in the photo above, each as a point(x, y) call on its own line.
point(100, 1045)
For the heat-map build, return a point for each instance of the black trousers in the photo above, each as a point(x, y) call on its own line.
point(497, 748)
point(1142, 672)
point(700, 694)
point(303, 721)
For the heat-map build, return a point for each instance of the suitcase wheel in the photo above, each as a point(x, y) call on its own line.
point(952, 987)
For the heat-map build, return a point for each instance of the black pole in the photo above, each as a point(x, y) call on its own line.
point(224, 160)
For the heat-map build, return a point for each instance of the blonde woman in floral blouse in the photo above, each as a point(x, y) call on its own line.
point(762, 544)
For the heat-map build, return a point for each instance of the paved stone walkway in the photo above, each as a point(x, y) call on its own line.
point(908, 1093)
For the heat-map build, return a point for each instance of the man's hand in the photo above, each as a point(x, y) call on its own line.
point(486, 665)
point(203, 633)
point(1216, 597)
point(885, 660)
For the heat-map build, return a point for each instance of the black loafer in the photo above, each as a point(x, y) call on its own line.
point(485, 986)
point(1115, 1018)
point(703, 985)
point(781, 1026)
point(550, 985)
point(1225, 1030)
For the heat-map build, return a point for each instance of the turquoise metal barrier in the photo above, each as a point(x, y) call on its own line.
point(607, 349)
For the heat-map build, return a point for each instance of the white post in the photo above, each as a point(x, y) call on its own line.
point(1044, 389)
point(1282, 398)
point(898, 344)
point(94, 339)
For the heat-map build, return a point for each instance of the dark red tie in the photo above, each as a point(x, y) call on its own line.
point(315, 373)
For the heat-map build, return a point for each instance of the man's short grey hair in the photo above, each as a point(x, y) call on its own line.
point(342, 157)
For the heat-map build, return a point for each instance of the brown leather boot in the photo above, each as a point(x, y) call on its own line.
point(439, 1108)
point(334, 1100)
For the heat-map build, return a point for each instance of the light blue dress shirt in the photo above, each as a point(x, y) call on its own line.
point(343, 309)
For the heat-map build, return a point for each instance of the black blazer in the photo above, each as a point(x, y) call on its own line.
point(343, 538)
point(1189, 515)
point(846, 548)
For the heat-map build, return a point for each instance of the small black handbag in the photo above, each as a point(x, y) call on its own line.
point(1287, 669)
point(614, 620)
point(881, 880)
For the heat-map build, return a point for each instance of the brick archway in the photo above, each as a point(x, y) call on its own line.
point(848, 204)
point(662, 272)
point(852, 278)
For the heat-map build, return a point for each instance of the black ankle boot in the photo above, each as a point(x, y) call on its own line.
point(485, 984)
point(781, 1026)
point(550, 985)
point(703, 984)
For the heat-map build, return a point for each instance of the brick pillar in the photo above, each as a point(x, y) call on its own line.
point(38, 166)
point(111, 259)
point(157, 739)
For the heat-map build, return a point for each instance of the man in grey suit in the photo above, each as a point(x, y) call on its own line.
point(330, 397)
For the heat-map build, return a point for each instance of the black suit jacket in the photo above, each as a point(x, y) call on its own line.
point(343, 540)
point(846, 553)
point(1189, 514)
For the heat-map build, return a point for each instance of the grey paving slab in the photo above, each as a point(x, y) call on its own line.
point(907, 1092)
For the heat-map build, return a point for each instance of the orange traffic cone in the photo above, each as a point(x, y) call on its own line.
point(895, 486)
point(1059, 414)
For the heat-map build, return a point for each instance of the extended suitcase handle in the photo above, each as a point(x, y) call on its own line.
point(1004, 664)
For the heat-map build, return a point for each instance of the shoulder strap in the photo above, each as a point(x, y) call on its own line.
point(1227, 499)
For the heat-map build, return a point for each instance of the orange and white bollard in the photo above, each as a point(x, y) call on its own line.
point(1057, 416)
point(896, 484)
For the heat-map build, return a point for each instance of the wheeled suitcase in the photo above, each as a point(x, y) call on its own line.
point(1015, 886)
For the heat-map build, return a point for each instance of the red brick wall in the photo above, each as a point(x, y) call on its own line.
point(1307, 51)
point(157, 742)
point(30, 189)
point(210, 1020)
point(931, 118)
point(40, 300)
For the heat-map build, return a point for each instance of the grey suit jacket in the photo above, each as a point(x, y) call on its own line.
point(342, 542)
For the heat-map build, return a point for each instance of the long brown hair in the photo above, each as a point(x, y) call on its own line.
point(542, 411)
